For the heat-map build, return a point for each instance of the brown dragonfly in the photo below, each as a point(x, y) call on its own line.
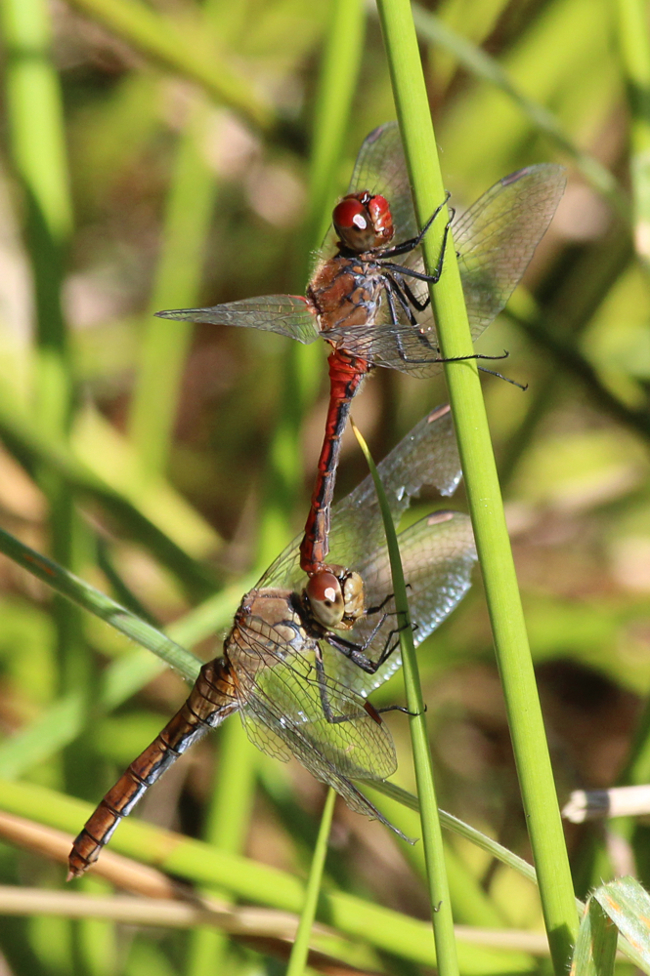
point(302, 656)
point(368, 296)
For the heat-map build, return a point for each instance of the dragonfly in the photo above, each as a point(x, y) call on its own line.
point(368, 296)
point(300, 660)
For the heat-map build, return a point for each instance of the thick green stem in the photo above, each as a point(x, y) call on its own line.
point(486, 508)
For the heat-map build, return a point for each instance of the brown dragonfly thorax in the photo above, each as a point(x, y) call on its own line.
point(267, 619)
point(335, 597)
point(346, 292)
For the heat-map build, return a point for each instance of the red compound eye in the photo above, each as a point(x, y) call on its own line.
point(349, 214)
point(323, 587)
point(382, 220)
point(378, 207)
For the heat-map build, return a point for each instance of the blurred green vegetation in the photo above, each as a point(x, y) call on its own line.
point(171, 154)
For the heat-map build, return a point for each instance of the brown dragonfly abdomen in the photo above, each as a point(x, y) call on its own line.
point(212, 699)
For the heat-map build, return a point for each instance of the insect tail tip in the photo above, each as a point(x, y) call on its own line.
point(75, 871)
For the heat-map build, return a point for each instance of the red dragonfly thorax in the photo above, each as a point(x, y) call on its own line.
point(363, 221)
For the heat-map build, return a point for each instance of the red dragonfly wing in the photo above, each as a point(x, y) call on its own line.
point(288, 315)
point(438, 555)
point(426, 456)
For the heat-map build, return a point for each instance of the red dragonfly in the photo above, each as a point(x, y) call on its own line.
point(376, 312)
point(298, 683)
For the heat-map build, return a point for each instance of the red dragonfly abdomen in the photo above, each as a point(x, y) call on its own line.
point(211, 700)
point(343, 295)
point(346, 376)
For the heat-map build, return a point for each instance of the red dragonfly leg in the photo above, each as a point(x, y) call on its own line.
point(211, 700)
point(347, 373)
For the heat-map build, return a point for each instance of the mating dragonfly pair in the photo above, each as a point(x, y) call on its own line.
point(302, 656)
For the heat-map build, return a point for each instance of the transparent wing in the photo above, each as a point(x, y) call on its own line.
point(496, 238)
point(393, 344)
point(287, 315)
point(321, 722)
point(426, 456)
point(289, 706)
point(438, 555)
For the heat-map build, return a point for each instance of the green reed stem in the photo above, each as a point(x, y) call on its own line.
point(430, 27)
point(486, 508)
point(300, 950)
point(439, 898)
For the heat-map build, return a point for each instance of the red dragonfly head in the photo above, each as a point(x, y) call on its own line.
point(363, 221)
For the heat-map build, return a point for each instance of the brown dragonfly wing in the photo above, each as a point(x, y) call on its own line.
point(293, 710)
point(288, 315)
point(438, 555)
point(428, 455)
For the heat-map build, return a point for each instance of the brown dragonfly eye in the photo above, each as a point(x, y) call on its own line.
point(353, 598)
point(325, 599)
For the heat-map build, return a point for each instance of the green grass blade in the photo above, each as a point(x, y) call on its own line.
point(96, 602)
point(189, 209)
point(226, 824)
point(595, 951)
point(339, 71)
point(31, 446)
point(383, 928)
point(62, 722)
point(300, 950)
point(493, 545)
point(480, 64)
point(634, 47)
point(182, 49)
point(627, 904)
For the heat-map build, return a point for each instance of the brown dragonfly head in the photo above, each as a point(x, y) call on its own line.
point(335, 597)
point(363, 221)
